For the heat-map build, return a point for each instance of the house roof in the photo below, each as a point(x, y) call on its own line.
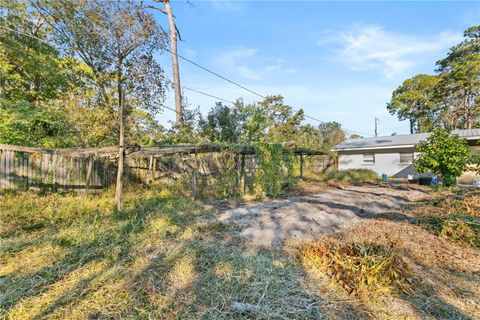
point(405, 140)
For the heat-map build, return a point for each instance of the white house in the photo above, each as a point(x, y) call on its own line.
point(391, 155)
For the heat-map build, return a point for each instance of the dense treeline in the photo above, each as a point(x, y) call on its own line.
point(449, 99)
point(64, 64)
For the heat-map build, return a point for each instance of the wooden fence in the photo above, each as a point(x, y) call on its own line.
point(95, 168)
point(63, 169)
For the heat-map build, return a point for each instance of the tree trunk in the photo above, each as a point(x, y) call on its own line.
point(3, 89)
point(470, 117)
point(175, 68)
point(121, 148)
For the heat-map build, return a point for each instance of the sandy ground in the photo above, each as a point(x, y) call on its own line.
point(310, 217)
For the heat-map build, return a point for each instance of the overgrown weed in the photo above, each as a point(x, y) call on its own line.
point(350, 176)
point(361, 269)
point(163, 257)
point(453, 213)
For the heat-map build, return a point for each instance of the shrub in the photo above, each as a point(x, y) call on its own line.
point(443, 153)
point(352, 175)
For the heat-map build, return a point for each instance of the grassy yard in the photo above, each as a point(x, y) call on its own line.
point(167, 257)
point(164, 257)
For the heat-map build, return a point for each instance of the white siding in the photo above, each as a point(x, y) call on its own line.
point(386, 161)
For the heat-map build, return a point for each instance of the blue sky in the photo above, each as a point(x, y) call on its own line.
point(339, 61)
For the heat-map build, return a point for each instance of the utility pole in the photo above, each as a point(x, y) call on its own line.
point(376, 126)
point(175, 68)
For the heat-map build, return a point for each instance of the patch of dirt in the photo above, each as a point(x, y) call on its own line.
point(310, 217)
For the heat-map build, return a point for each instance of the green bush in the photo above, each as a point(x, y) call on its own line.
point(443, 153)
point(352, 175)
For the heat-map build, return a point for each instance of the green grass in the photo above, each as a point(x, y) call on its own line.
point(162, 257)
point(352, 176)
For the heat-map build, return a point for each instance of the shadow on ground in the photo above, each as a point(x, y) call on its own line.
point(162, 257)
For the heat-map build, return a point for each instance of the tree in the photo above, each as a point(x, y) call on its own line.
point(332, 134)
point(445, 154)
point(31, 69)
point(256, 124)
point(280, 122)
point(288, 130)
point(36, 82)
point(460, 81)
point(414, 100)
point(223, 124)
point(21, 123)
point(310, 137)
point(116, 39)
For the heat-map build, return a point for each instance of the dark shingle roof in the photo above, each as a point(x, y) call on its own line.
point(405, 140)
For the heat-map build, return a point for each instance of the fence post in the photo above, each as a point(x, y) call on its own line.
point(89, 173)
point(301, 166)
point(154, 176)
point(194, 178)
point(150, 169)
point(242, 174)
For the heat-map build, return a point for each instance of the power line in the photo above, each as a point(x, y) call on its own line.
point(216, 74)
point(208, 95)
point(240, 86)
point(199, 66)
point(171, 109)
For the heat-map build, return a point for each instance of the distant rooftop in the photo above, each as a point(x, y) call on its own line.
point(404, 140)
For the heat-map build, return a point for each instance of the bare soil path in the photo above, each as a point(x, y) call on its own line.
point(310, 217)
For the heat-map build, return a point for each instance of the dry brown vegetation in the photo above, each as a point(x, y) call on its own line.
point(65, 256)
point(402, 267)
point(167, 257)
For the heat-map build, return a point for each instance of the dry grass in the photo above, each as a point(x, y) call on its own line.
point(361, 269)
point(400, 268)
point(167, 257)
point(452, 213)
point(163, 257)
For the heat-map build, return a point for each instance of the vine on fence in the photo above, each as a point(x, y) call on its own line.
point(229, 179)
point(270, 176)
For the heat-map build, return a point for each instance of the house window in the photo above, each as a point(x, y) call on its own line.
point(406, 158)
point(368, 158)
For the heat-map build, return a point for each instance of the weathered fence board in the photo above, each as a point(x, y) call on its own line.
point(204, 166)
point(34, 168)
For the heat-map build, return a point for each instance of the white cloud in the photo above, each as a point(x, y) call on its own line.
point(368, 47)
point(249, 64)
point(231, 61)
